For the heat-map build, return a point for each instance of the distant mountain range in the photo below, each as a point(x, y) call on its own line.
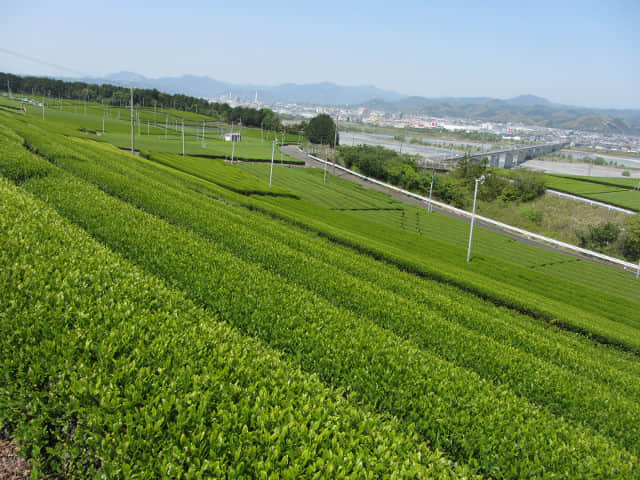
point(525, 109)
point(324, 93)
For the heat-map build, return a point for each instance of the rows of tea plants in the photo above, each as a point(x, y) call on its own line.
point(124, 377)
point(73, 121)
point(568, 350)
point(335, 192)
point(613, 317)
point(625, 182)
point(545, 383)
point(248, 149)
point(622, 196)
point(487, 245)
point(470, 418)
point(220, 173)
point(451, 268)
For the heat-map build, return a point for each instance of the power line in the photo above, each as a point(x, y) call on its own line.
point(42, 62)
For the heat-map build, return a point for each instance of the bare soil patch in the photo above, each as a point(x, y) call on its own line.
point(12, 465)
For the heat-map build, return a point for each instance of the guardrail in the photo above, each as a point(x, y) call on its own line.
point(504, 226)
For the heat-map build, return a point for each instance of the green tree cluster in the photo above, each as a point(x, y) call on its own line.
point(322, 129)
point(455, 188)
point(631, 239)
point(518, 186)
point(599, 237)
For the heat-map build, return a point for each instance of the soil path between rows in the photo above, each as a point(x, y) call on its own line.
point(12, 465)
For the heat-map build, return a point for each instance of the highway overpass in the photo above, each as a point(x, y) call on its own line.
point(504, 158)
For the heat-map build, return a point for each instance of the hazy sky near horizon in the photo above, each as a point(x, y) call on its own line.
point(573, 52)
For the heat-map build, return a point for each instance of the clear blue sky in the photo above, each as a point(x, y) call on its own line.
point(579, 53)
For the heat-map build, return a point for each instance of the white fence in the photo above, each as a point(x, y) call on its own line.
point(626, 265)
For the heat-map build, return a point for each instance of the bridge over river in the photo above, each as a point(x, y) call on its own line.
point(504, 158)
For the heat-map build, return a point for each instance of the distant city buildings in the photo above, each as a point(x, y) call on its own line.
point(515, 131)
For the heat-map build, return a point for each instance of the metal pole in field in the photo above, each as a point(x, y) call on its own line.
point(273, 150)
point(335, 145)
point(103, 124)
point(202, 133)
point(326, 157)
point(132, 131)
point(233, 146)
point(261, 135)
point(42, 108)
point(183, 137)
point(166, 125)
point(281, 148)
point(473, 215)
point(147, 127)
point(433, 172)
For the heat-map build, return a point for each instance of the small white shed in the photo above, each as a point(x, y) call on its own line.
point(232, 137)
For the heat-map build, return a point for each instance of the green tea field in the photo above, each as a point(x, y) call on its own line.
point(170, 316)
point(615, 191)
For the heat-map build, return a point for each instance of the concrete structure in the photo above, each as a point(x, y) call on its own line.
point(508, 158)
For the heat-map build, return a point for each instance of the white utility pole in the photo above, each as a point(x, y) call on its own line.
point(202, 133)
point(42, 108)
point(132, 131)
point(433, 173)
point(166, 126)
point(9, 88)
point(103, 124)
point(335, 145)
point(183, 137)
point(273, 150)
point(233, 146)
point(326, 159)
point(147, 127)
point(473, 215)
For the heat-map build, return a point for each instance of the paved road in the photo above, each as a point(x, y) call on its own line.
point(293, 151)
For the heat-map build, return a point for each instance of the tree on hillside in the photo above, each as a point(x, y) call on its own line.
point(631, 245)
point(321, 129)
point(468, 169)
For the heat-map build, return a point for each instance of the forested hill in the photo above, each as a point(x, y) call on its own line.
point(526, 109)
